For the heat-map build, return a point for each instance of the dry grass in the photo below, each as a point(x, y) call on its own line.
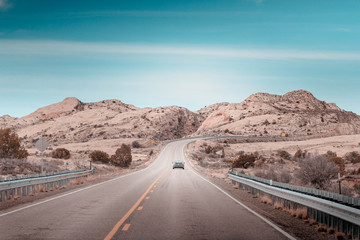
point(42, 188)
point(340, 236)
point(278, 206)
point(312, 222)
point(331, 230)
point(322, 228)
point(266, 199)
point(77, 181)
point(301, 213)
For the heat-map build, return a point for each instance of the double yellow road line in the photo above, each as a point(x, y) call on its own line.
point(132, 209)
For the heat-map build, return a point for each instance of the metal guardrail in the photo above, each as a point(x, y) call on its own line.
point(331, 196)
point(12, 178)
point(326, 209)
point(26, 184)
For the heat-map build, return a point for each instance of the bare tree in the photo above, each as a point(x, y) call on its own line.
point(318, 171)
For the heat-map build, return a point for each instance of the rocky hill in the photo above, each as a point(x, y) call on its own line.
point(296, 113)
point(72, 121)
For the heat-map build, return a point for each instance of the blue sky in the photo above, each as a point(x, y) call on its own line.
point(185, 53)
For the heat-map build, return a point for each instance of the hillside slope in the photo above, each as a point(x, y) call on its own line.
point(72, 121)
point(296, 113)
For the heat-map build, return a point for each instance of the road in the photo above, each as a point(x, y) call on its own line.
point(157, 202)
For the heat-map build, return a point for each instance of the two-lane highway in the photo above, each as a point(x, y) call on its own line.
point(155, 203)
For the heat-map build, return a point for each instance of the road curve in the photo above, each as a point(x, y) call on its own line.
point(154, 203)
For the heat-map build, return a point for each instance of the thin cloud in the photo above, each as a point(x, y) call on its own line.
point(258, 2)
point(155, 13)
point(5, 5)
point(21, 47)
point(342, 29)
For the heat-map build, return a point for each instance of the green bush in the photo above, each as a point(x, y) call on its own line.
point(122, 156)
point(61, 153)
point(10, 145)
point(99, 156)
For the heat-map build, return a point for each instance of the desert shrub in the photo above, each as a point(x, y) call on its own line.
point(10, 145)
point(266, 122)
point(351, 156)
point(122, 156)
point(244, 161)
point(284, 176)
point(135, 144)
point(331, 154)
point(61, 153)
point(99, 156)
point(340, 163)
point(279, 176)
point(356, 160)
point(16, 166)
point(357, 187)
point(208, 149)
point(300, 154)
point(317, 171)
point(260, 173)
point(151, 152)
point(284, 154)
point(213, 150)
point(272, 174)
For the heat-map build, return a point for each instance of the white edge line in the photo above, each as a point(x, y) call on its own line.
point(240, 203)
point(82, 189)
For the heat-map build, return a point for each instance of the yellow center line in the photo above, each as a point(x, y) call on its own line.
point(123, 219)
point(126, 227)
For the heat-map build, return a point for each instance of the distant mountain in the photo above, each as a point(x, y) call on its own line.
point(296, 113)
point(72, 121)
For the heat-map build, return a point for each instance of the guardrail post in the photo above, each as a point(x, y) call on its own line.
point(3, 196)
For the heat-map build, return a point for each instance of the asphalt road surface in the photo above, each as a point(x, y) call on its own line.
point(157, 202)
